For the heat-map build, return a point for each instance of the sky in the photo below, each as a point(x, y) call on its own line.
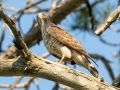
point(91, 44)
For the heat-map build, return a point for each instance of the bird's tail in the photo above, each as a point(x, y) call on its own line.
point(89, 66)
point(92, 70)
point(83, 60)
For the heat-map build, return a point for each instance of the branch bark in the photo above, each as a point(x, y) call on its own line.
point(39, 67)
point(115, 15)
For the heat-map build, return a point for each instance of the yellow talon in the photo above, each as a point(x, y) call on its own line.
point(60, 61)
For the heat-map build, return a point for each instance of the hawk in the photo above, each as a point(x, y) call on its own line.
point(62, 45)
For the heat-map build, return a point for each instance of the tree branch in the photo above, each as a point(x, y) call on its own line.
point(15, 83)
point(111, 44)
point(42, 68)
point(2, 36)
point(18, 41)
point(62, 10)
point(115, 15)
point(26, 8)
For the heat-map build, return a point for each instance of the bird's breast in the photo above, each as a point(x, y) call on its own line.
point(52, 44)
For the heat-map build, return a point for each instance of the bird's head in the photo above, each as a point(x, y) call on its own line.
point(43, 20)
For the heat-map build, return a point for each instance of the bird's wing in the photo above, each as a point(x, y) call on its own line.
point(66, 39)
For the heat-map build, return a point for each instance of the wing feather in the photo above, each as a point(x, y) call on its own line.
point(66, 39)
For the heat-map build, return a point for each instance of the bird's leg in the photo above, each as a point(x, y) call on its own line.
point(66, 54)
point(60, 61)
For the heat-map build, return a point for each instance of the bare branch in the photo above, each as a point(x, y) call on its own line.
point(63, 87)
point(114, 29)
point(27, 83)
point(31, 11)
point(15, 83)
point(2, 36)
point(108, 21)
point(45, 55)
point(39, 67)
point(32, 5)
point(111, 44)
point(92, 20)
point(19, 43)
point(56, 86)
point(9, 9)
point(92, 5)
point(54, 3)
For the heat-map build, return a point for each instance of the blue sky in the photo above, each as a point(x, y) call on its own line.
point(91, 44)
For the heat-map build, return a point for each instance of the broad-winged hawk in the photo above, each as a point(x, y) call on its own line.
point(63, 45)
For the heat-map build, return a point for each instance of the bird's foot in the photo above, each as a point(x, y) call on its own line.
point(58, 61)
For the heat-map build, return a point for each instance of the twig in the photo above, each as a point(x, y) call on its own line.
point(63, 87)
point(56, 86)
point(114, 29)
point(62, 1)
point(92, 5)
point(90, 14)
point(108, 21)
point(27, 83)
point(10, 9)
point(15, 83)
point(45, 55)
point(53, 3)
point(2, 36)
point(36, 83)
point(111, 44)
point(31, 11)
point(32, 5)
point(19, 24)
point(118, 2)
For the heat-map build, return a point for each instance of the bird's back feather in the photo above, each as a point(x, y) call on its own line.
point(66, 39)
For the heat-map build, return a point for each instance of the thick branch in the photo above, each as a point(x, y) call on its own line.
point(62, 10)
point(52, 71)
point(19, 43)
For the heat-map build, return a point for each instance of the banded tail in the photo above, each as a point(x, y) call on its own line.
point(83, 61)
